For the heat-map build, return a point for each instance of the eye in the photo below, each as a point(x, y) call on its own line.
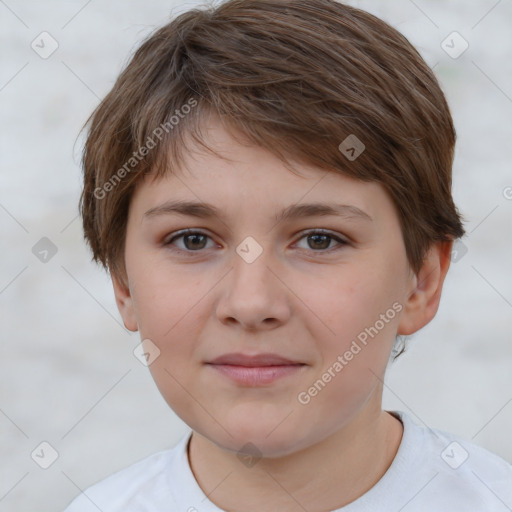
point(192, 240)
point(320, 240)
point(195, 241)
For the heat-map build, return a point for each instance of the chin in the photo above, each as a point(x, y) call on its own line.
point(253, 439)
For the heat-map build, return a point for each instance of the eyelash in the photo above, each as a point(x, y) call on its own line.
point(189, 232)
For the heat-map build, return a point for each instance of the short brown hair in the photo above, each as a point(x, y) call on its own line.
point(297, 77)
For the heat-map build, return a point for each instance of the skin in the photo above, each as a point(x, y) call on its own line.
point(303, 298)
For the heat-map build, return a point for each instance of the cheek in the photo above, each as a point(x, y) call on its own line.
point(359, 317)
point(169, 314)
point(349, 300)
point(165, 304)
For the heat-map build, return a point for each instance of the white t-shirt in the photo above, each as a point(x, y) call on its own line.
point(433, 471)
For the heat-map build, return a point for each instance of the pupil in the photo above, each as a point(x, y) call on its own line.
point(188, 237)
point(324, 237)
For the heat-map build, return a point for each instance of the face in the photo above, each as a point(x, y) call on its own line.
point(324, 290)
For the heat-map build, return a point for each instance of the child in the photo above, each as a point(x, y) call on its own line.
point(309, 147)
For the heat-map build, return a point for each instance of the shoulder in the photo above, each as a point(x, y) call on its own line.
point(461, 472)
point(140, 486)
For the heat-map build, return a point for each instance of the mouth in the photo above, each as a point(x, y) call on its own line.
point(255, 370)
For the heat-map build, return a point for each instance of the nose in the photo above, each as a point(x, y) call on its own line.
point(253, 295)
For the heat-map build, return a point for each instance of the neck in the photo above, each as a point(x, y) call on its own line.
point(322, 477)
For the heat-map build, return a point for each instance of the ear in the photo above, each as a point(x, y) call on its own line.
point(124, 302)
point(423, 300)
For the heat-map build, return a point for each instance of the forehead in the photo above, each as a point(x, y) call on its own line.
point(243, 178)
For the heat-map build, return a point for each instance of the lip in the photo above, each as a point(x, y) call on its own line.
point(256, 370)
point(266, 359)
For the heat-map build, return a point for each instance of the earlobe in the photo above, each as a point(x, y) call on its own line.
point(124, 303)
point(423, 301)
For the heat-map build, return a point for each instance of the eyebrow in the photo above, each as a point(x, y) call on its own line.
point(205, 210)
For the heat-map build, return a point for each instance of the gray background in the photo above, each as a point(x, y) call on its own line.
point(68, 375)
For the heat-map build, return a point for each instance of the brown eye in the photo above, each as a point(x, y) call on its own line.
point(320, 241)
point(192, 241)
